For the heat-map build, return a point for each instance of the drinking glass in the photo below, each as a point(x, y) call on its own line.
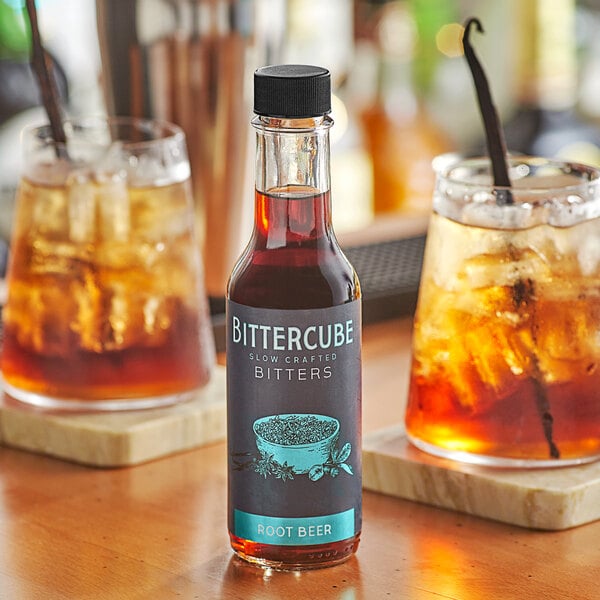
point(106, 306)
point(506, 346)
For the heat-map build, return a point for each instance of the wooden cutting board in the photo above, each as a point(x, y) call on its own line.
point(118, 438)
point(551, 499)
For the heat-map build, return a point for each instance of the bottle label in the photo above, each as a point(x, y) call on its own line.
point(294, 414)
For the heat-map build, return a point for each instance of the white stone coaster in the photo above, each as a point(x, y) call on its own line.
point(549, 499)
point(118, 438)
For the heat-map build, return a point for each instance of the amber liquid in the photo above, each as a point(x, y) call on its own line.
point(96, 312)
point(402, 150)
point(293, 262)
point(506, 355)
point(136, 372)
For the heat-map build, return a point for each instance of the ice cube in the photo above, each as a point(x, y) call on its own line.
point(577, 250)
point(499, 355)
point(588, 254)
point(148, 172)
point(121, 318)
point(108, 316)
point(113, 206)
point(452, 246)
point(159, 314)
point(482, 359)
point(113, 160)
point(518, 216)
point(86, 321)
point(574, 206)
point(110, 174)
point(81, 193)
point(485, 271)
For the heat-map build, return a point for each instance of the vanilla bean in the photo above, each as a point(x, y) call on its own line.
point(491, 122)
point(524, 296)
point(524, 299)
point(543, 407)
point(42, 67)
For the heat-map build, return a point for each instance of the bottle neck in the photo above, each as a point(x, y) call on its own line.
point(292, 205)
point(292, 155)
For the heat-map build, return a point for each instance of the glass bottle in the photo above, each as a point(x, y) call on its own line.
point(546, 120)
point(400, 134)
point(293, 344)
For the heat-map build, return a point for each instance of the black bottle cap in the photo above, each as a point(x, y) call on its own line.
point(292, 91)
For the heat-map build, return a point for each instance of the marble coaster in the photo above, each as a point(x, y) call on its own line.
point(122, 437)
point(549, 499)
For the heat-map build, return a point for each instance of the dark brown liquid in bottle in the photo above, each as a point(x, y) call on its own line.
point(293, 262)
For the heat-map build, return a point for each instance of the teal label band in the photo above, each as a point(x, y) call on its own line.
point(305, 531)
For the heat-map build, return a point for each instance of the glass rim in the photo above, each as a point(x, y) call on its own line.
point(172, 132)
point(451, 162)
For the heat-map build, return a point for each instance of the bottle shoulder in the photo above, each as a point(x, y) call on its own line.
point(318, 276)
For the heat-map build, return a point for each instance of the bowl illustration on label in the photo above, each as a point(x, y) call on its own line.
point(299, 441)
point(295, 444)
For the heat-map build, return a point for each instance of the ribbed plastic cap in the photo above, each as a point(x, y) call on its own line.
point(292, 91)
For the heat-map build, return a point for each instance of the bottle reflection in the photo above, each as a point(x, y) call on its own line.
point(339, 583)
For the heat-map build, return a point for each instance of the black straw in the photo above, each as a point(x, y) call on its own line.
point(42, 67)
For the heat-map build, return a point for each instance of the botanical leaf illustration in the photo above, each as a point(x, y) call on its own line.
point(347, 468)
point(264, 466)
point(283, 471)
point(316, 473)
point(344, 453)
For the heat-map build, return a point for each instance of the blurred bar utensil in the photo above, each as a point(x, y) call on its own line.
point(191, 62)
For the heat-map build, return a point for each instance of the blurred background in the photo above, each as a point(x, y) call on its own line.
point(403, 93)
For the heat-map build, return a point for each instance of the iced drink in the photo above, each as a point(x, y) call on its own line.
point(105, 301)
point(506, 349)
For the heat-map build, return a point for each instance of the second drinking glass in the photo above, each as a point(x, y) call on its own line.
point(506, 350)
point(106, 306)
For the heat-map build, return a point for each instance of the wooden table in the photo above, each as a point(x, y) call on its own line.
point(157, 531)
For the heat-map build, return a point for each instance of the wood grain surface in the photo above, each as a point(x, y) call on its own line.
point(158, 530)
